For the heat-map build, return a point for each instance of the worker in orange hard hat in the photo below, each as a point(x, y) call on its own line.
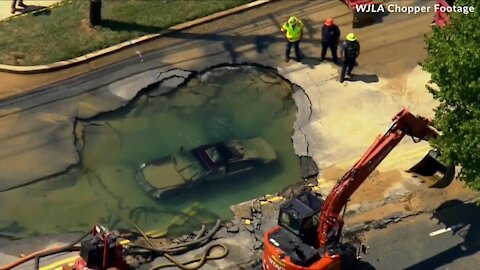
point(293, 30)
point(350, 52)
point(330, 37)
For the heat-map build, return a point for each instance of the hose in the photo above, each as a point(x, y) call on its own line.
point(46, 252)
point(131, 216)
point(183, 247)
point(135, 225)
point(201, 261)
point(198, 240)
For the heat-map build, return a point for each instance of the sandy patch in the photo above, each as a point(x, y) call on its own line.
point(374, 188)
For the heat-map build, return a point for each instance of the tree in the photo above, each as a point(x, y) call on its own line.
point(454, 62)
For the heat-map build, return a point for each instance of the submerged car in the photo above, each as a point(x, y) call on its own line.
point(204, 163)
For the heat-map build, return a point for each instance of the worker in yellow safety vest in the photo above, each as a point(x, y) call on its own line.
point(293, 30)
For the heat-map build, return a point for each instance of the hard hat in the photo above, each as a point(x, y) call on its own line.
point(292, 20)
point(329, 22)
point(351, 37)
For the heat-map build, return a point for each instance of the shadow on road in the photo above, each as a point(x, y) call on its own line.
point(310, 61)
point(362, 265)
point(367, 78)
point(464, 220)
point(124, 26)
point(36, 10)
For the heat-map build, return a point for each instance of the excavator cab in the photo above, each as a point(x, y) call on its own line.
point(295, 243)
point(300, 216)
point(297, 231)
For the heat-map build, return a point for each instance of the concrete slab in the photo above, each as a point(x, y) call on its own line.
point(346, 118)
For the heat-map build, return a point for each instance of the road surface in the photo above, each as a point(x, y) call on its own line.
point(407, 245)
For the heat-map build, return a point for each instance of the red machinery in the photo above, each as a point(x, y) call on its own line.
point(366, 16)
point(441, 18)
point(308, 233)
point(361, 18)
point(103, 251)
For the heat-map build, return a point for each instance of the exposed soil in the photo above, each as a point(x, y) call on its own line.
point(373, 187)
point(423, 200)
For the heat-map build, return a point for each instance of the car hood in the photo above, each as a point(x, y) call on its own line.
point(162, 175)
point(173, 171)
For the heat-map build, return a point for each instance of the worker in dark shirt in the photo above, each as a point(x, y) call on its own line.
point(330, 36)
point(14, 5)
point(350, 52)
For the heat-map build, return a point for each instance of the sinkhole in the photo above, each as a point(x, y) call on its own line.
point(219, 105)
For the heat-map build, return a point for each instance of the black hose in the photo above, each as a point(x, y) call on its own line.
point(200, 233)
point(37, 263)
point(201, 260)
point(85, 235)
point(184, 247)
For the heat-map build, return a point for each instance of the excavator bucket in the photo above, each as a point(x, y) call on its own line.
point(430, 166)
point(362, 19)
point(364, 12)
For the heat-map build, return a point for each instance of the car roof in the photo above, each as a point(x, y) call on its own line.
point(225, 156)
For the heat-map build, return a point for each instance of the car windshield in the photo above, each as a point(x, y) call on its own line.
point(219, 154)
point(214, 155)
point(233, 150)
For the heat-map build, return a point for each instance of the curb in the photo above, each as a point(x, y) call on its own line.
point(127, 44)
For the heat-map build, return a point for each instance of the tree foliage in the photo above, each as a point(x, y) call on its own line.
point(454, 63)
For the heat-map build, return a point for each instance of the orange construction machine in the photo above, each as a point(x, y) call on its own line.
point(361, 12)
point(309, 229)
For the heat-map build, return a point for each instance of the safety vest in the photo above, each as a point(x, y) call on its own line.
point(293, 34)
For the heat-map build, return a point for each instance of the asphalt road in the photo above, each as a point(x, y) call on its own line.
point(407, 245)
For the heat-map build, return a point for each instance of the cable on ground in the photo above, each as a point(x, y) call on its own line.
point(167, 252)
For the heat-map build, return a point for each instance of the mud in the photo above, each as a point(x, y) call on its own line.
point(373, 189)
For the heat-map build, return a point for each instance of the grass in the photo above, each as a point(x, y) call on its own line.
point(63, 33)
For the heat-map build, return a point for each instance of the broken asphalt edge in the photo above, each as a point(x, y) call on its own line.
point(96, 54)
point(359, 227)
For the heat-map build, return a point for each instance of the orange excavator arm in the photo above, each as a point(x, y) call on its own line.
point(404, 123)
